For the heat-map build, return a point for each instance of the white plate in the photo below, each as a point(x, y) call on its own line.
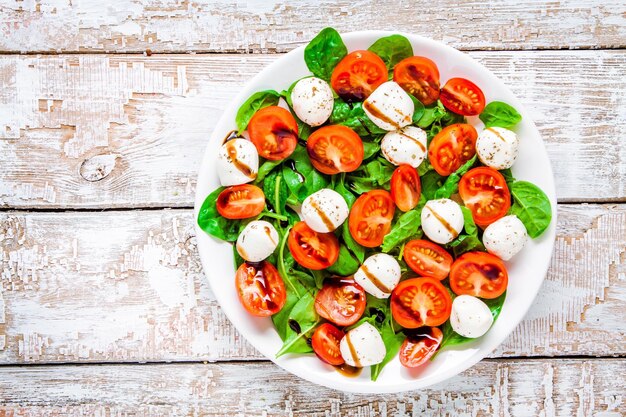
point(526, 271)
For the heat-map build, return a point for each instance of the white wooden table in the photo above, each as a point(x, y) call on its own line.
point(104, 310)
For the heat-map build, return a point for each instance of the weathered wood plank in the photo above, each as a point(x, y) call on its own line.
point(512, 388)
point(278, 25)
point(136, 281)
point(127, 131)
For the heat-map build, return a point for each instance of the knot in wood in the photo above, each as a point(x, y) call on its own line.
point(98, 167)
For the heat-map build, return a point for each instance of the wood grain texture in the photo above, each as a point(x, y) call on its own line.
point(128, 286)
point(547, 388)
point(127, 131)
point(279, 25)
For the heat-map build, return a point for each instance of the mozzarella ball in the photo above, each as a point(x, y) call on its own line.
point(470, 316)
point(324, 210)
point(389, 107)
point(362, 346)
point(505, 237)
point(312, 100)
point(379, 275)
point(237, 162)
point(442, 220)
point(497, 147)
point(257, 241)
point(405, 146)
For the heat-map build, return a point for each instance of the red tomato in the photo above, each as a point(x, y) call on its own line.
point(462, 97)
point(484, 191)
point(334, 149)
point(427, 259)
point(370, 218)
point(325, 343)
point(358, 74)
point(419, 346)
point(418, 76)
point(420, 302)
point(341, 301)
point(405, 187)
point(312, 249)
point(479, 274)
point(274, 132)
point(260, 288)
point(240, 202)
point(452, 147)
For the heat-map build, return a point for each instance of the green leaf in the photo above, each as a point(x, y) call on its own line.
point(451, 185)
point(213, 223)
point(253, 104)
point(341, 188)
point(469, 240)
point(301, 322)
point(353, 116)
point(431, 115)
point(370, 149)
point(452, 338)
point(301, 178)
point(355, 248)
point(265, 169)
point(419, 109)
point(324, 52)
point(431, 181)
point(531, 206)
point(392, 49)
point(406, 227)
point(393, 341)
point(276, 192)
point(375, 174)
point(508, 176)
point(345, 265)
point(499, 114)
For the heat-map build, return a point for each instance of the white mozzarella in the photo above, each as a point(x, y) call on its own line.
point(362, 346)
point(505, 237)
point(405, 146)
point(324, 210)
point(389, 107)
point(442, 220)
point(237, 162)
point(257, 241)
point(312, 100)
point(470, 316)
point(497, 147)
point(379, 275)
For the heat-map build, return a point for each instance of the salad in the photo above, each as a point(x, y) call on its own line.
point(371, 213)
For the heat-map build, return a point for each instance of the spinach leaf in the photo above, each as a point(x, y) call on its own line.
point(499, 114)
point(406, 227)
point(340, 187)
point(451, 185)
point(531, 206)
point(213, 223)
point(370, 149)
point(253, 104)
point(353, 116)
point(431, 115)
point(375, 174)
point(304, 180)
point(355, 248)
point(418, 111)
point(393, 341)
point(346, 264)
point(452, 338)
point(275, 191)
point(392, 49)
point(265, 169)
point(508, 176)
point(324, 52)
point(424, 167)
point(469, 240)
point(301, 322)
point(431, 181)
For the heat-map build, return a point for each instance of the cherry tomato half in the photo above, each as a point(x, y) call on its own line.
point(370, 217)
point(452, 147)
point(418, 76)
point(274, 132)
point(312, 249)
point(334, 149)
point(419, 346)
point(462, 97)
point(479, 274)
point(341, 301)
point(405, 187)
point(240, 202)
point(420, 302)
point(484, 191)
point(357, 75)
point(427, 259)
point(325, 343)
point(260, 288)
